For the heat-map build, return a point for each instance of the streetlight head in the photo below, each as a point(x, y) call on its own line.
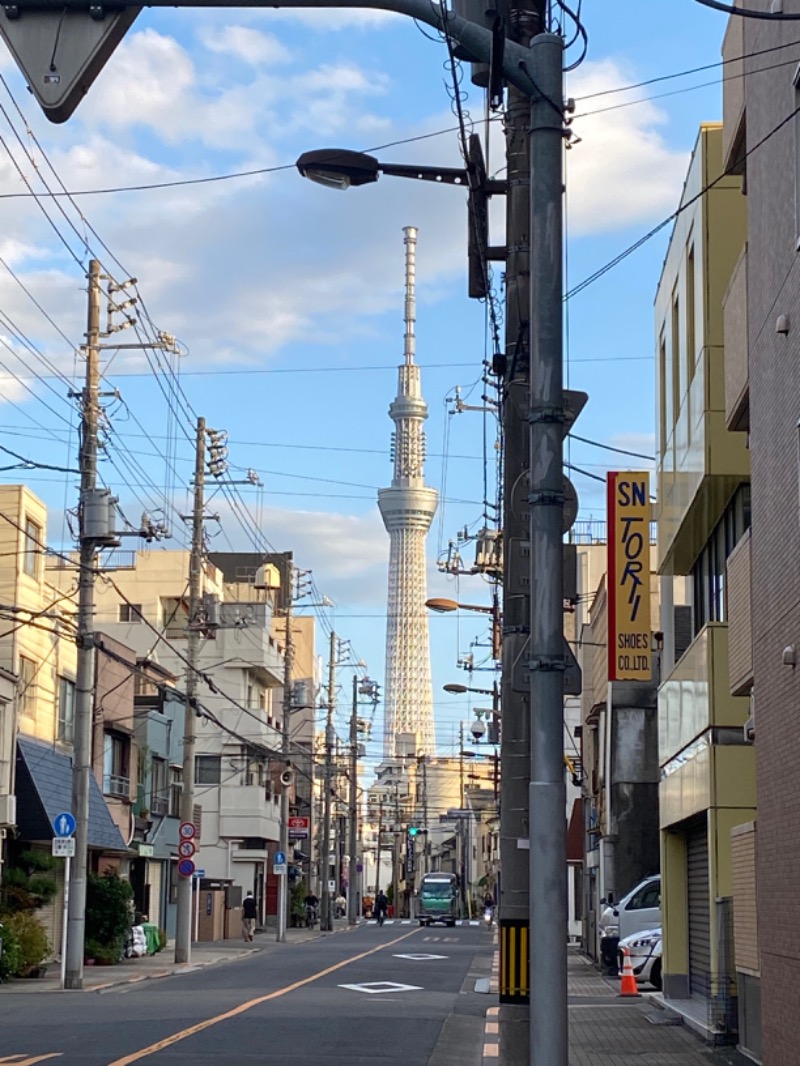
point(455, 688)
point(442, 606)
point(338, 168)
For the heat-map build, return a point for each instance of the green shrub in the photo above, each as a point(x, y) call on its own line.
point(103, 954)
point(108, 914)
point(28, 883)
point(11, 958)
point(32, 939)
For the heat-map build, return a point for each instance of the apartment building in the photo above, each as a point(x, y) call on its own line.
point(707, 770)
point(238, 734)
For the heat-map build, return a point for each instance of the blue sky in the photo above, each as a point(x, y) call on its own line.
point(288, 297)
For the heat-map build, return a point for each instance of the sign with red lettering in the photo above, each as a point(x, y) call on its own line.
point(629, 626)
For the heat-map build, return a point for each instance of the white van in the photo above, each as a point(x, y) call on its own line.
point(639, 910)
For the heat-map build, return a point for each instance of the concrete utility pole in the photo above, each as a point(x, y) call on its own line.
point(183, 927)
point(325, 920)
point(548, 825)
point(525, 20)
point(378, 849)
point(288, 668)
point(84, 687)
point(352, 844)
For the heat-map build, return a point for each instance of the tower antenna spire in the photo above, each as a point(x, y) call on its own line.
point(407, 508)
point(410, 340)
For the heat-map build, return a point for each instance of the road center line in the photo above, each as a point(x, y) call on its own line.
point(244, 1007)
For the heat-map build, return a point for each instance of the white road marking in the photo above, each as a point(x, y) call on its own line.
point(421, 957)
point(375, 988)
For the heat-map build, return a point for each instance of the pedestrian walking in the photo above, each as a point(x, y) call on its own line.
point(249, 915)
point(381, 906)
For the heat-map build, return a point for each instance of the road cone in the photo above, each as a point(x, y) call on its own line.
point(627, 985)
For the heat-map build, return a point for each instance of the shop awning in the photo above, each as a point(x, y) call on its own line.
point(44, 789)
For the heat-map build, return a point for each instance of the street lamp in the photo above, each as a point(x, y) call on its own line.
point(341, 168)
point(444, 606)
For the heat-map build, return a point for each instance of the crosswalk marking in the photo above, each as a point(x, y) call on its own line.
point(412, 921)
point(21, 1060)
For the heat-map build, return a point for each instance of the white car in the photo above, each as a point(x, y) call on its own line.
point(645, 952)
point(640, 909)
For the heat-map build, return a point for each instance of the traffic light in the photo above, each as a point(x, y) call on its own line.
point(413, 830)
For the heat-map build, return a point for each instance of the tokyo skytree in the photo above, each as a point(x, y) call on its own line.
point(407, 509)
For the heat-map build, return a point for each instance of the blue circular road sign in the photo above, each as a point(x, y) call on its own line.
point(64, 824)
point(186, 867)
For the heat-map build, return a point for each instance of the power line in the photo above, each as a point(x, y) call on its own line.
point(726, 173)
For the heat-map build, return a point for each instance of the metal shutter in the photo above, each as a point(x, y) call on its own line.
point(699, 911)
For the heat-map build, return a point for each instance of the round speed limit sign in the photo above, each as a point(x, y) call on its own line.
point(187, 830)
point(186, 849)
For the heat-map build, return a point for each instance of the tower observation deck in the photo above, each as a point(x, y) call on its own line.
point(407, 509)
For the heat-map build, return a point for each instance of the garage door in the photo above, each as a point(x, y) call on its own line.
point(699, 911)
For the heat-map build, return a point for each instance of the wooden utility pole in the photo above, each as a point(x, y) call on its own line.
point(183, 927)
point(288, 669)
point(90, 539)
point(325, 921)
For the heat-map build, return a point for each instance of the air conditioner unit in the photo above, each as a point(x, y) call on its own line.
point(8, 810)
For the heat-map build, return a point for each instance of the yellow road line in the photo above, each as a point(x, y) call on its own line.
point(168, 1041)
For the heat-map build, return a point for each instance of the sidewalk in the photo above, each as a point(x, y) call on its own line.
point(150, 967)
point(605, 1030)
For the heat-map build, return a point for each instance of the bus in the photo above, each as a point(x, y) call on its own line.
point(438, 899)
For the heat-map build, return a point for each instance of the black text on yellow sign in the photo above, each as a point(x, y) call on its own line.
point(629, 627)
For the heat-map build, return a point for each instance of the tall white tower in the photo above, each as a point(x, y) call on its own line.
point(407, 509)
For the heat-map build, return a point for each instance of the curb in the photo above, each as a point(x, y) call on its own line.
point(172, 971)
point(491, 1036)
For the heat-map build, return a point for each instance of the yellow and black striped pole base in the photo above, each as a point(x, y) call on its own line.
point(514, 961)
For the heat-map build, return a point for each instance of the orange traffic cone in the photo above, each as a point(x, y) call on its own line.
point(627, 985)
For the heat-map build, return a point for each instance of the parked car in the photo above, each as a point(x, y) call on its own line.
point(638, 911)
point(645, 952)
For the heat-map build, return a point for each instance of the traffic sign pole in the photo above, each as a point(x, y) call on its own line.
point(64, 915)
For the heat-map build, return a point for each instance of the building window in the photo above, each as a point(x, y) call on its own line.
point(175, 791)
point(26, 687)
point(675, 357)
point(130, 612)
point(66, 709)
point(116, 763)
point(33, 548)
point(159, 793)
point(207, 769)
point(708, 572)
point(663, 432)
point(690, 316)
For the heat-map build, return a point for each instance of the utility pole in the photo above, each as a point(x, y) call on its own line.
point(288, 668)
point(378, 856)
point(352, 872)
point(526, 19)
point(427, 835)
point(325, 922)
point(549, 1032)
point(84, 687)
point(183, 928)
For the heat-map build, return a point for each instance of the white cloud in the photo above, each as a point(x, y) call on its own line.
point(245, 43)
point(623, 171)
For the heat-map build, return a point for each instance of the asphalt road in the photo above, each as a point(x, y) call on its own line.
point(288, 1006)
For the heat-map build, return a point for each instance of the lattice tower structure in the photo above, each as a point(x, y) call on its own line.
point(407, 509)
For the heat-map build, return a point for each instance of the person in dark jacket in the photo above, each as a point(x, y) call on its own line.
point(381, 906)
point(249, 916)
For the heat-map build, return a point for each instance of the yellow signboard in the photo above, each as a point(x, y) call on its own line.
point(629, 628)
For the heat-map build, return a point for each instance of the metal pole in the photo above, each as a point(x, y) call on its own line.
point(183, 927)
point(288, 668)
point(548, 860)
point(65, 912)
point(526, 19)
point(325, 917)
point(352, 894)
point(378, 849)
point(84, 687)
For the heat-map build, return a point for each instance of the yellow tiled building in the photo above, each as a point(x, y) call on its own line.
point(707, 769)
